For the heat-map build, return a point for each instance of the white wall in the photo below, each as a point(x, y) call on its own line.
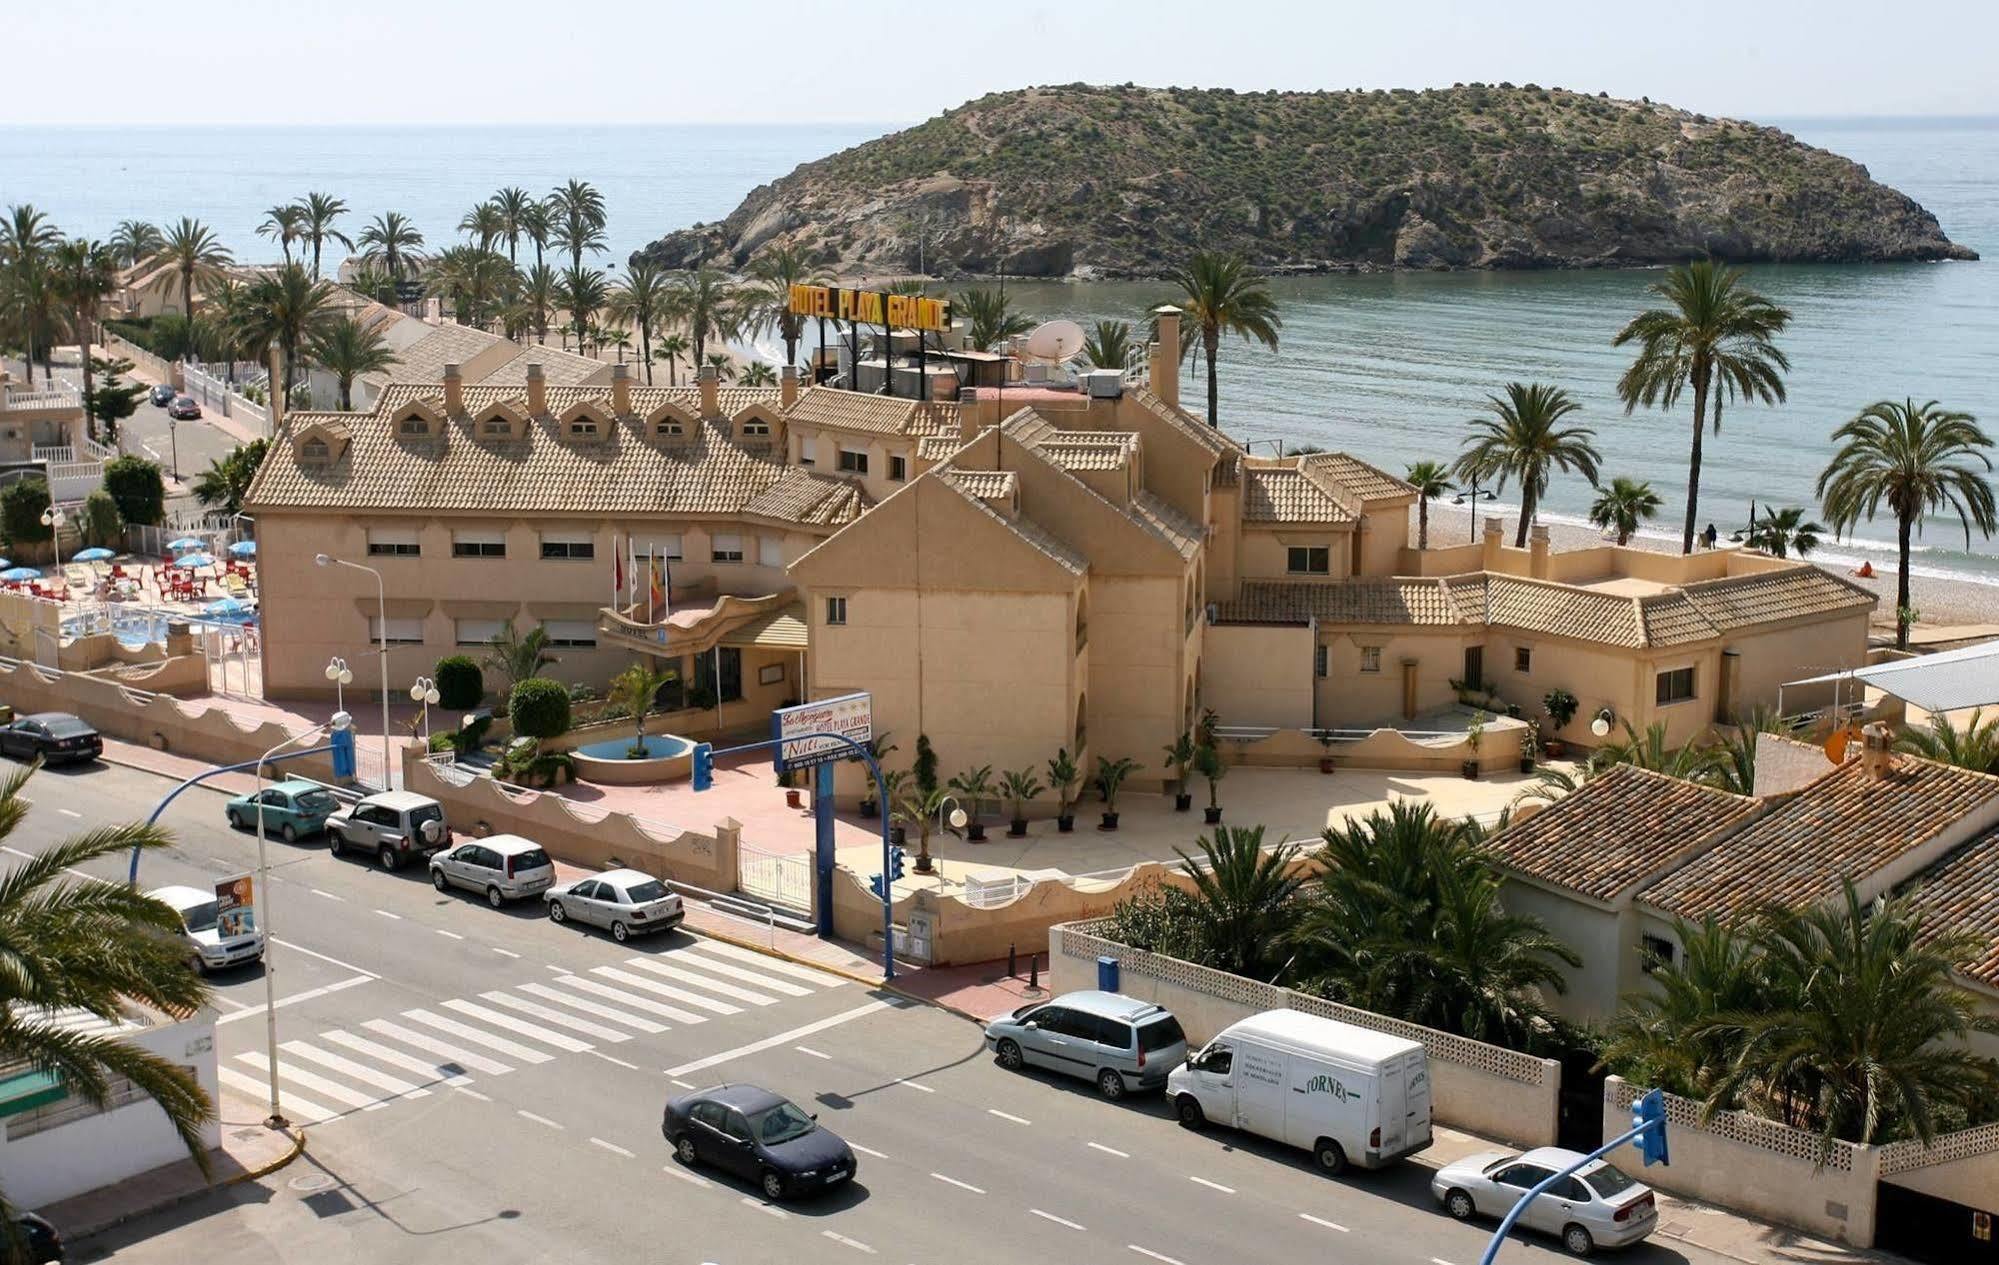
point(1593, 988)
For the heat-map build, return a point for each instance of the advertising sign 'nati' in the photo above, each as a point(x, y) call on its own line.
point(850, 715)
point(871, 307)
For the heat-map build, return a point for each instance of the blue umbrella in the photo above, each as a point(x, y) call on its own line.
point(92, 555)
point(14, 575)
point(244, 549)
point(5, 563)
point(227, 606)
point(185, 542)
point(192, 560)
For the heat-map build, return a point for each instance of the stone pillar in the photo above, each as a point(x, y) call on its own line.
point(1495, 540)
point(537, 392)
point(787, 386)
point(1163, 367)
point(709, 379)
point(454, 391)
point(621, 390)
point(1537, 552)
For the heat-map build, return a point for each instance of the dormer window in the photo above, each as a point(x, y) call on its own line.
point(413, 424)
point(315, 452)
point(584, 427)
point(756, 427)
point(668, 427)
point(584, 421)
point(496, 426)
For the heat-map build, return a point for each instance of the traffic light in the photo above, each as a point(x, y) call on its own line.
point(876, 886)
point(704, 766)
point(894, 864)
point(1649, 1113)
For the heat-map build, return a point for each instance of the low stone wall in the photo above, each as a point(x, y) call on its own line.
point(1962, 1167)
point(1484, 1089)
point(671, 768)
point(1498, 752)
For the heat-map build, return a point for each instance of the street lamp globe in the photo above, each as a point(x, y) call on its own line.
point(424, 690)
point(322, 560)
point(958, 819)
point(341, 722)
point(338, 671)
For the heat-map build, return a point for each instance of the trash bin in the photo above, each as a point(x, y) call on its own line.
point(1107, 974)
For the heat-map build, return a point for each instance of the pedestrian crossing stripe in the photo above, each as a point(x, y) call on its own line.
point(317, 1084)
point(650, 1005)
point(667, 990)
point(354, 1071)
point(593, 1008)
point(396, 1058)
point(423, 1041)
point(732, 971)
point(765, 962)
point(478, 1036)
point(517, 1026)
point(701, 981)
point(550, 1015)
point(295, 1107)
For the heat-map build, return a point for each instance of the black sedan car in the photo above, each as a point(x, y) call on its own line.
point(163, 394)
point(57, 737)
point(39, 1240)
point(757, 1134)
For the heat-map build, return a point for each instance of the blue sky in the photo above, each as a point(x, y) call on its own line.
point(512, 61)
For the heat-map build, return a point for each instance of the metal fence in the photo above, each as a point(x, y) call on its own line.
point(785, 881)
point(217, 394)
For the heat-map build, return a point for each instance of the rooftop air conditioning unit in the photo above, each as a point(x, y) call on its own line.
point(1104, 384)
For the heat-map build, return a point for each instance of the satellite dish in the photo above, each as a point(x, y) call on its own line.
point(1600, 726)
point(1055, 340)
point(1836, 743)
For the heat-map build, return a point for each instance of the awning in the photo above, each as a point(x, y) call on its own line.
point(27, 1089)
point(779, 630)
point(1942, 682)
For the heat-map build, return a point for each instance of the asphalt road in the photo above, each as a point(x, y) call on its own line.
point(487, 1086)
point(198, 440)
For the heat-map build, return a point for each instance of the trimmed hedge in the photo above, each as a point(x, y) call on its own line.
point(460, 683)
point(136, 485)
point(21, 506)
point(539, 708)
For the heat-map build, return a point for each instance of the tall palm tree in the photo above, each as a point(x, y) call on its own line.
point(1430, 479)
point(583, 293)
point(1242, 897)
point(708, 306)
point(767, 300)
point(757, 373)
point(85, 274)
point(541, 291)
point(1653, 1038)
point(281, 224)
point(536, 224)
point(673, 348)
point(517, 655)
point(1650, 751)
point(30, 305)
point(1916, 459)
point(641, 301)
point(990, 316)
point(346, 348)
point(473, 279)
point(196, 254)
point(284, 311)
point(1785, 532)
point(1221, 294)
point(513, 205)
point(1524, 440)
point(226, 482)
point(576, 219)
point(316, 217)
point(26, 234)
point(134, 240)
point(1973, 745)
point(393, 242)
point(725, 369)
point(80, 944)
point(1717, 334)
point(483, 225)
point(1623, 506)
point(1108, 344)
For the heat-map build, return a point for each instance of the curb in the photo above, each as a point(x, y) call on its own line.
point(180, 1197)
point(843, 973)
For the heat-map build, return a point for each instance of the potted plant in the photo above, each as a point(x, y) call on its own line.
point(976, 786)
point(1474, 734)
point(921, 809)
point(1110, 777)
point(1208, 763)
point(1020, 786)
point(1325, 737)
point(879, 747)
point(1530, 745)
point(1206, 729)
point(1561, 707)
point(924, 767)
point(793, 797)
point(1062, 777)
point(894, 781)
point(1178, 757)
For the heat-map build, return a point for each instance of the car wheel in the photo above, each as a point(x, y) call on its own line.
point(1189, 1110)
point(1331, 1156)
point(556, 913)
point(494, 898)
point(195, 964)
point(289, 833)
point(438, 880)
point(1459, 1204)
point(235, 822)
point(1008, 1055)
point(388, 858)
point(773, 1184)
point(1110, 1084)
point(620, 932)
point(683, 1150)
point(1578, 1241)
point(334, 842)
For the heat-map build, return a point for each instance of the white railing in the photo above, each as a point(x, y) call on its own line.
point(984, 893)
point(43, 397)
point(216, 394)
point(54, 453)
point(73, 480)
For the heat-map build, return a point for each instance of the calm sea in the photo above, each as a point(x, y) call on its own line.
point(1387, 366)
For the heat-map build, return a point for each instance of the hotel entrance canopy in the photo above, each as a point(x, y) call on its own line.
point(1942, 682)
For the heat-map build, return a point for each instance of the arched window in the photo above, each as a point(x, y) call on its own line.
point(1082, 621)
point(1082, 725)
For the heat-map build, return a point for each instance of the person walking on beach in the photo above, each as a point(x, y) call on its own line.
point(1708, 537)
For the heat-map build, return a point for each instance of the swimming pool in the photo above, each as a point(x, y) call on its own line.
point(139, 628)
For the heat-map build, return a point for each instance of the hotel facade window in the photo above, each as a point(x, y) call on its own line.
point(386, 542)
point(665, 546)
point(808, 450)
point(770, 551)
point(567, 545)
point(1370, 658)
point(1308, 560)
point(898, 469)
point(1318, 660)
point(852, 462)
point(575, 634)
point(1675, 686)
point(476, 632)
point(725, 547)
point(396, 632)
point(729, 687)
point(836, 610)
point(478, 544)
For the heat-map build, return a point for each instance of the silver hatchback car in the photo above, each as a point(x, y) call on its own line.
point(503, 867)
point(1599, 1206)
point(1119, 1042)
point(623, 902)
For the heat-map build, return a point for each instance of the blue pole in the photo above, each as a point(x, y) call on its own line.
point(132, 878)
point(822, 846)
point(1513, 1214)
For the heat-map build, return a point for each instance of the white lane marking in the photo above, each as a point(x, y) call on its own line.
point(1330, 1225)
point(559, 970)
point(715, 986)
point(636, 1002)
point(775, 985)
point(508, 953)
point(295, 998)
point(556, 1017)
point(761, 1206)
point(512, 1049)
point(1049, 1216)
point(220, 1000)
point(674, 1170)
point(354, 1071)
point(765, 962)
point(856, 1244)
point(320, 891)
point(315, 953)
point(394, 1058)
point(806, 1049)
point(295, 1107)
point(866, 1150)
point(1226, 1190)
point(424, 1041)
point(630, 980)
point(995, 1111)
point(952, 1181)
point(613, 1148)
point(449, 935)
point(907, 1084)
point(471, 1093)
point(1110, 1150)
point(317, 1084)
point(592, 1008)
point(391, 917)
point(782, 1038)
point(1146, 1251)
point(685, 1084)
point(529, 1115)
point(620, 1062)
point(520, 1027)
point(1438, 1260)
point(70, 812)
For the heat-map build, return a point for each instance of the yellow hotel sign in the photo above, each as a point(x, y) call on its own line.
point(871, 307)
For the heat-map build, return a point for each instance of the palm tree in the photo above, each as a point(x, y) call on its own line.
point(284, 311)
point(1430, 479)
point(1623, 506)
point(1917, 459)
point(1222, 294)
point(1649, 751)
point(483, 225)
point(1732, 759)
point(393, 242)
point(196, 254)
point(513, 205)
point(1524, 441)
point(641, 301)
point(518, 656)
point(1242, 899)
point(709, 307)
point(757, 373)
point(1653, 1038)
point(473, 279)
point(1717, 335)
point(583, 292)
point(1108, 344)
point(85, 274)
point(1973, 746)
point(991, 317)
point(346, 348)
point(1785, 532)
point(725, 369)
point(541, 291)
point(536, 224)
point(223, 485)
point(281, 225)
point(316, 216)
point(134, 240)
point(637, 689)
point(767, 300)
point(673, 348)
point(26, 234)
point(576, 219)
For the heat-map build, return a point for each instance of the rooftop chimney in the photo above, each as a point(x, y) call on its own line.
point(787, 386)
point(1537, 552)
point(1163, 367)
point(621, 390)
point(1875, 745)
point(1495, 539)
point(537, 392)
point(454, 391)
point(709, 379)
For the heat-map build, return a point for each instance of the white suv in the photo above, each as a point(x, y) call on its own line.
point(503, 867)
point(394, 825)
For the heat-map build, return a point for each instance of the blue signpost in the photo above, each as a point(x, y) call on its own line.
point(1647, 1132)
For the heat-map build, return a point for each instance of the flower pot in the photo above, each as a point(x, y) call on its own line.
point(1109, 822)
point(1325, 764)
point(1470, 770)
point(794, 798)
point(1182, 802)
point(1065, 823)
point(1526, 764)
point(1555, 748)
point(976, 832)
point(1017, 828)
point(898, 835)
point(869, 808)
point(925, 865)
point(1213, 816)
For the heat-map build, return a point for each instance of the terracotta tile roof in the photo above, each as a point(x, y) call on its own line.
point(1212, 438)
point(1367, 601)
point(1563, 610)
point(1363, 480)
point(847, 410)
point(1669, 619)
point(1036, 536)
point(424, 359)
point(1288, 495)
point(1228, 472)
point(1621, 827)
point(1846, 824)
point(1773, 596)
point(938, 447)
point(984, 484)
point(1959, 895)
point(1090, 450)
point(558, 368)
point(1182, 532)
point(1146, 513)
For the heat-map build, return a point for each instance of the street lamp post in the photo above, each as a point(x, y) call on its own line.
point(342, 676)
point(424, 691)
point(340, 722)
point(53, 519)
point(382, 629)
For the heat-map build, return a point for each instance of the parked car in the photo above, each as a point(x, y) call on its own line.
point(394, 826)
point(757, 1134)
point(1599, 1206)
point(1119, 1042)
point(207, 948)
point(57, 737)
point(163, 394)
point(504, 867)
point(184, 408)
point(625, 903)
point(1342, 1092)
point(294, 809)
point(43, 1243)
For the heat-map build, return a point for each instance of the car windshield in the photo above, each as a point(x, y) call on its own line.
point(640, 893)
point(781, 1123)
point(317, 802)
point(1608, 1180)
point(202, 917)
point(1159, 1034)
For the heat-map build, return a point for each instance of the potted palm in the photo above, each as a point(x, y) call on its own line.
point(1111, 775)
point(1020, 786)
point(1474, 734)
point(1530, 745)
point(1325, 737)
point(1178, 757)
point(1062, 778)
point(1208, 763)
point(893, 783)
point(879, 747)
point(921, 809)
point(1561, 707)
point(976, 786)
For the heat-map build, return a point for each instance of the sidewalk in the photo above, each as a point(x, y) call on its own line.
point(249, 1151)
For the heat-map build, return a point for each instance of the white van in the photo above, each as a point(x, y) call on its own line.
point(1349, 1095)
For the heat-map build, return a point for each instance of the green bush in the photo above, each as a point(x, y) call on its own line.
point(460, 683)
point(539, 708)
point(136, 486)
point(21, 506)
point(102, 524)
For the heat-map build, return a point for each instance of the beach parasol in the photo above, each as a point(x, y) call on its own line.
point(243, 549)
point(14, 575)
point(92, 554)
point(227, 606)
point(186, 542)
point(193, 560)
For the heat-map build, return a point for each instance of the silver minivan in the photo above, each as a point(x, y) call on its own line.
point(1119, 1042)
point(504, 867)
